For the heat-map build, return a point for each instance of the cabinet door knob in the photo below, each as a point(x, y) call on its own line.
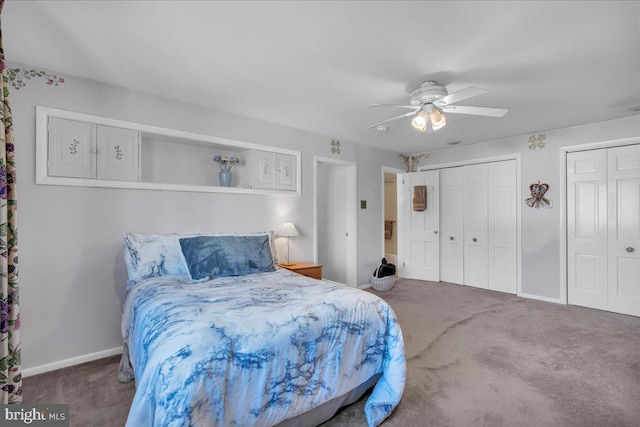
point(451, 238)
point(435, 231)
point(474, 239)
point(630, 249)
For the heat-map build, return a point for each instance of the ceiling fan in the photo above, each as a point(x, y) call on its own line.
point(430, 101)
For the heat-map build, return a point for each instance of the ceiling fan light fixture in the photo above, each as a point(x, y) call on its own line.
point(419, 122)
point(438, 120)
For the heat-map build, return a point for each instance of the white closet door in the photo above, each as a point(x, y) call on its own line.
point(624, 229)
point(587, 228)
point(420, 254)
point(452, 185)
point(501, 187)
point(475, 227)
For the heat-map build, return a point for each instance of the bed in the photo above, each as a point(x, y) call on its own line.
point(261, 346)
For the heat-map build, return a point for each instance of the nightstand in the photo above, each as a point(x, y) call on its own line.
point(306, 269)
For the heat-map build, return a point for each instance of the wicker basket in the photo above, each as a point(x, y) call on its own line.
point(382, 284)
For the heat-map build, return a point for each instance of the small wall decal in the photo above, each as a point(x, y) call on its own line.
point(73, 147)
point(537, 199)
point(17, 77)
point(411, 161)
point(335, 146)
point(537, 141)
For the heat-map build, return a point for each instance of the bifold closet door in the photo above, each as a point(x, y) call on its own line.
point(587, 228)
point(452, 188)
point(623, 184)
point(478, 219)
point(603, 229)
point(502, 226)
point(476, 242)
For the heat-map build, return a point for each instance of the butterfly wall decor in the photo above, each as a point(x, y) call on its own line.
point(537, 199)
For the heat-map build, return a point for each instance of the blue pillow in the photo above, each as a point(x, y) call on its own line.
point(221, 256)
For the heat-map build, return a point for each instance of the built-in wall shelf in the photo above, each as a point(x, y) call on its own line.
point(163, 159)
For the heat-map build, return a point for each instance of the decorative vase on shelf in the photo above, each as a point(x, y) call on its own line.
point(225, 177)
point(225, 162)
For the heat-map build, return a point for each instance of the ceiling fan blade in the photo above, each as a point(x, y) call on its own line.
point(465, 93)
point(477, 111)
point(392, 118)
point(413, 107)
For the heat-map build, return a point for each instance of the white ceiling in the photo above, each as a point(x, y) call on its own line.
point(317, 65)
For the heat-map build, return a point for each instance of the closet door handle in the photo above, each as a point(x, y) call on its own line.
point(451, 238)
point(630, 249)
point(435, 231)
point(474, 239)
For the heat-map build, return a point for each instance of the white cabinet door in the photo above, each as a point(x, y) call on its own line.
point(265, 170)
point(118, 153)
point(72, 148)
point(624, 229)
point(587, 228)
point(452, 185)
point(502, 215)
point(475, 227)
point(420, 251)
point(286, 172)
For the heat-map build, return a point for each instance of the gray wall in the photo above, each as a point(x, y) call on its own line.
point(72, 273)
point(541, 228)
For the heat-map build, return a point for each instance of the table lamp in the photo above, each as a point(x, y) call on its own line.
point(288, 230)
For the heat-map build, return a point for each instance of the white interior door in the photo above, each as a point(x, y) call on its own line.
point(452, 185)
point(336, 225)
point(587, 228)
point(623, 185)
point(475, 227)
point(502, 225)
point(419, 256)
point(331, 217)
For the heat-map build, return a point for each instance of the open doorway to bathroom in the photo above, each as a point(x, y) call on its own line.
point(390, 214)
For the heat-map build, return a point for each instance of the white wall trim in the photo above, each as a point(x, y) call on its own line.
point(563, 200)
point(352, 214)
point(70, 362)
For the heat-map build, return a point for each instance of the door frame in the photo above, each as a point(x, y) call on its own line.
point(352, 214)
point(564, 280)
point(396, 171)
point(517, 158)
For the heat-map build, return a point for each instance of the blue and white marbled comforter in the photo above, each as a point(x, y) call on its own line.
point(256, 350)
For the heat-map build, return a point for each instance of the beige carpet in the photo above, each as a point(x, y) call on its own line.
point(474, 358)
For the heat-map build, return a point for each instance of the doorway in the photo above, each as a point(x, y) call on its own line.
point(336, 220)
point(390, 214)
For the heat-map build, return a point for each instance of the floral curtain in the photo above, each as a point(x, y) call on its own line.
point(10, 374)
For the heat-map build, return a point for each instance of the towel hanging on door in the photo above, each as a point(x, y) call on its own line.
point(388, 229)
point(419, 198)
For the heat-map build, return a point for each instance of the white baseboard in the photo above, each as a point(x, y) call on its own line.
point(541, 298)
point(365, 286)
point(70, 362)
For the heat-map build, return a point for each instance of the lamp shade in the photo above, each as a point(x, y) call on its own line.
point(419, 122)
point(289, 230)
point(438, 120)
